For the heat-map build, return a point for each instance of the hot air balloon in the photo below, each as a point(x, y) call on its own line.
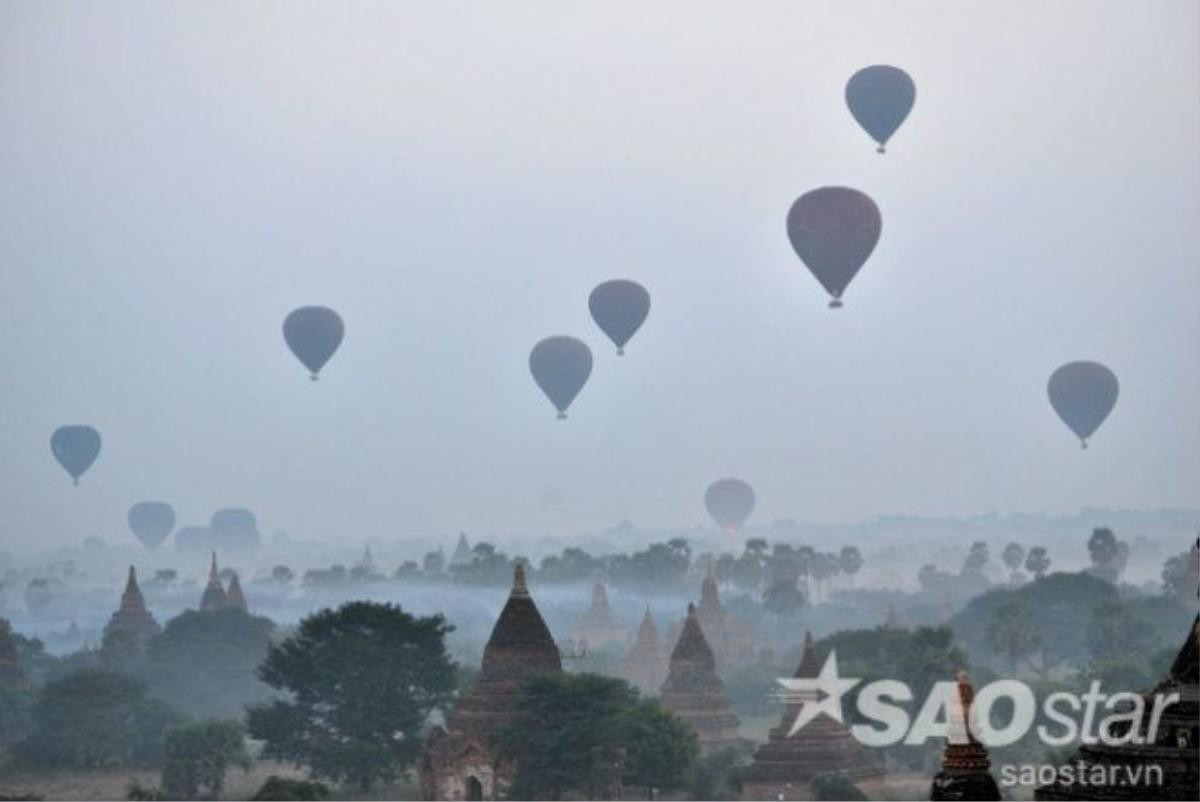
point(151, 522)
point(619, 308)
point(1083, 393)
point(194, 540)
point(880, 97)
point(834, 230)
point(314, 334)
point(729, 502)
point(560, 366)
point(75, 448)
point(234, 529)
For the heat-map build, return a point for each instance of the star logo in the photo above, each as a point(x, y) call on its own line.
point(817, 695)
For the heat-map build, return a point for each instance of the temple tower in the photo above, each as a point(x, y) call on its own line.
point(132, 623)
point(599, 626)
point(966, 769)
point(462, 552)
point(1172, 754)
point(235, 599)
point(644, 666)
point(214, 593)
point(461, 760)
point(785, 765)
point(694, 692)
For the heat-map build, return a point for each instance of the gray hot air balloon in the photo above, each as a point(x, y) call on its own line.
point(880, 98)
point(1083, 393)
point(560, 366)
point(314, 334)
point(151, 522)
point(619, 308)
point(235, 529)
point(729, 502)
point(834, 230)
point(75, 448)
point(194, 540)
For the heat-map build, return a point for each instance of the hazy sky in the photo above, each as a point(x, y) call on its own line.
point(454, 178)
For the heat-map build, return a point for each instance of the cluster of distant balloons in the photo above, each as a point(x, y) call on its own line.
point(833, 230)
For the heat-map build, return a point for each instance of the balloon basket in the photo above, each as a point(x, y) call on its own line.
point(836, 303)
point(562, 416)
point(881, 149)
point(620, 352)
point(313, 377)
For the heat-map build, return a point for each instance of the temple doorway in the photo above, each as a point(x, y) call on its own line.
point(474, 790)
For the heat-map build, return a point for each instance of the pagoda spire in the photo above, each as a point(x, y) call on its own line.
point(235, 599)
point(214, 593)
point(519, 588)
point(965, 765)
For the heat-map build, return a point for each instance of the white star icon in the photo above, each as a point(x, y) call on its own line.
point(822, 694)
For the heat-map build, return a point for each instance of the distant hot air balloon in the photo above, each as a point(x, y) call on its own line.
point(880, 98)
point(560, 366)
point(1083, 393)
point(75, 448)
point(619, 308)
point(833, 230)
point(235, 529)
point(151, 522)
point(194, 540)
point(314, 334)
point(729, 502)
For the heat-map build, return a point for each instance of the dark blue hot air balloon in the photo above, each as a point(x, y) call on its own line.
point(729, 502)
point(834, 230)
point(619, 308)
point(560, 366)
point(314, 334)
point(151, 522)
point(1083, 394)
point(880, 98)
point(75, 448)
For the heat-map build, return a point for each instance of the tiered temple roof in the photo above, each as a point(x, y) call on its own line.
point(732, 639)
point(966, 768)
point(1174, 750)
point(10, 663)
point(132, 619)
point(214, 593)
point(645, 666)
point(460, 760)
point(599, 625)
point(785, 765)
point(694, 692)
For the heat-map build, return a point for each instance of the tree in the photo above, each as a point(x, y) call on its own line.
point(1013, 556)
point(600, 730)
point(850, 561)
point(836, 786)
point(1104, 551)
point(658, 747)
point(976, 559)
point(282, 575)
point(1114, 631)
point(433, 563)
point(205, 662)
point(1181, 575)
point(1012, 631)
point(362, 680)
point(784, 598)
point(96, 719)
point(198, 755)
point(282, 789)
point(1037, 561)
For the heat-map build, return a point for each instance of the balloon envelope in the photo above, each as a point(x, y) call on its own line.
point(1083, 394)
point(619, 308)
point(729, 502)
point(834, 230)
point(560, 366)
point(151, 522)
point(880, 98)
point(75, 448)
point(314, 334)
point(234, 529)
point(194, 540)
